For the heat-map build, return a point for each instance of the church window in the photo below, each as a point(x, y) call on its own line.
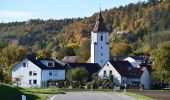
point(101, 38)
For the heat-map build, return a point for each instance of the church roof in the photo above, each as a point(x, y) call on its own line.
point(100, 25)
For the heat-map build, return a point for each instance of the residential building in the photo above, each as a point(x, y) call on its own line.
point(124, 72)
point(34, 72)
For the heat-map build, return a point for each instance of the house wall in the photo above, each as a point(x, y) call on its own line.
point(23, 73)
point(146, 79)
point(116, 76)
point(100, 49)
point(56, 75)
point(130, 80)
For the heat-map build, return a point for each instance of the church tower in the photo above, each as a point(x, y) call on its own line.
point(100, 51)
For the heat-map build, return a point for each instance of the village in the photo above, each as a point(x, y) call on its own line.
point(117, 53)
point(39, 72)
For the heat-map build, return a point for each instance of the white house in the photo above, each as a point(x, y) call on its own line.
point(33, 72)
point(124, 72)
point(100, 50)
point(135, 60)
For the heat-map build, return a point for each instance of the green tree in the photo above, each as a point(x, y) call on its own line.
point(161, 62)
point(121, 49)
point(8, 57)
point(83, 52)
point(78, 74)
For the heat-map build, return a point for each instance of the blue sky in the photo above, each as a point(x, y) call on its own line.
point(22, 10)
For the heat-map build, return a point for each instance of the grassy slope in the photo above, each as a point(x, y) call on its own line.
point(8, 92)
point(43, 90)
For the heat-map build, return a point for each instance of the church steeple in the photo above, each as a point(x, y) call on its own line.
point(100, 52)
point(100, 25)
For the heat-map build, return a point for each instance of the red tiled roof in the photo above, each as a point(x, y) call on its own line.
point(125, 69)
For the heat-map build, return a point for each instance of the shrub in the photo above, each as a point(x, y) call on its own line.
point(88, 85)
point(66, 83)
point(94, 85)
point(60, 84)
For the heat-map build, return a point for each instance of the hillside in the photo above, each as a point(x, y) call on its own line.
point(135, 23)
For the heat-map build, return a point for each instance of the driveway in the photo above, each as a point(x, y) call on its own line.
point(91, 96)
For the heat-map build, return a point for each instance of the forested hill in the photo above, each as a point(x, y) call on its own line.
point(133, 29)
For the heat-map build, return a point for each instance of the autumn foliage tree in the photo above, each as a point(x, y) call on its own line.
point(121, 49)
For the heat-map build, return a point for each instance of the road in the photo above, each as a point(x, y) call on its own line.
point(91, 96)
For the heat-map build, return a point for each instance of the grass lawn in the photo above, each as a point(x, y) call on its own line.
point(8, 92)
point(43, 90)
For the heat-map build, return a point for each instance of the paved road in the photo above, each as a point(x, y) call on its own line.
point(90, 96)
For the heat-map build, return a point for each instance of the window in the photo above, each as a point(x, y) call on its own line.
point(34, 81)
point(50, 73)
point(107, 64)
point(101, 54)
point(123, 81)
point(101, 38)
point(35, 73)
point(30, 73)
point(101, 61)
point(30, 81)
point(104, 72)
point(110, 72)
point(24, 64)
point(101, 47)
point(50, 64)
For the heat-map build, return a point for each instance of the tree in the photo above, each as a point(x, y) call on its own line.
point(83, 52)
point(41, 54)
point(121, 49)
point(161, 62)
point(8, 57)
point(78, 74)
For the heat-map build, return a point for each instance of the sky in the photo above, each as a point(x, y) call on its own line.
point(23, 10)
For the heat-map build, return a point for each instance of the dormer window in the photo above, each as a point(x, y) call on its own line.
point(50, 64)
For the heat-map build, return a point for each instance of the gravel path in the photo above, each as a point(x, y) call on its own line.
point(90, 96)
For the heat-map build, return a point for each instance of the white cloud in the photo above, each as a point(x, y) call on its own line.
point(16, 14)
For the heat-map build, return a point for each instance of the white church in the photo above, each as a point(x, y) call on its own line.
point(35, 72)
